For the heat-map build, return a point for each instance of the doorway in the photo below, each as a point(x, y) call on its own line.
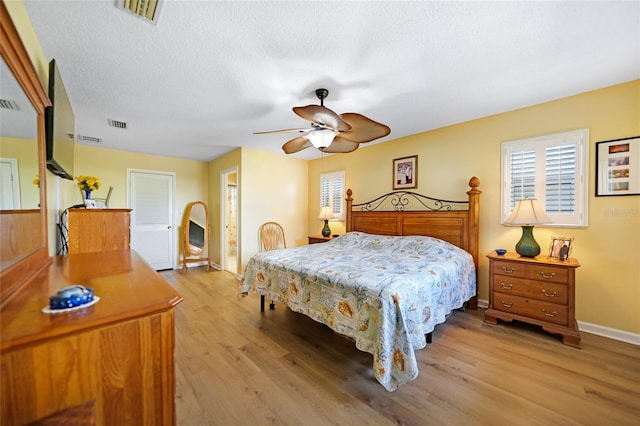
point(229, 219)
point(151, 198)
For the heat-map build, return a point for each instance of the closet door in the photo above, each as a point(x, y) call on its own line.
point(151, 198)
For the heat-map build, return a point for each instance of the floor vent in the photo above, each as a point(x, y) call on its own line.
point(90, 139)
point(118, 124)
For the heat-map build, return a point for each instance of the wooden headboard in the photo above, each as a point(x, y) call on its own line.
point(409, 213)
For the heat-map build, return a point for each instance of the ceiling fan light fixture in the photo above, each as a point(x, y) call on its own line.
point(321, 138)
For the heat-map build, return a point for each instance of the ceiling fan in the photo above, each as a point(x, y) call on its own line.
point(330, 132)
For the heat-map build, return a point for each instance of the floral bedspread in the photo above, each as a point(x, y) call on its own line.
point(384, 292)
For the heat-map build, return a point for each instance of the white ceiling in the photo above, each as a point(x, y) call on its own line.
point(197, 84)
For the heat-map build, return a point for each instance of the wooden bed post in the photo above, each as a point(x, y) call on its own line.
point(349, 199)
point(474, 229)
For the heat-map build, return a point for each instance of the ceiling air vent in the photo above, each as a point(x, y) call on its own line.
point(149, 10)
point(118, 124)
point(90, 139)
point(7, 104)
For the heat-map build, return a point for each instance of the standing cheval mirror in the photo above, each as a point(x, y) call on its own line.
point(195, 234)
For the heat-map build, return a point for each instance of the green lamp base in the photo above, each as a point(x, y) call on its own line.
point(527, 246)
point(326, 231)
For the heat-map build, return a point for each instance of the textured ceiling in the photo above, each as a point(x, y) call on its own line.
point(197, 84)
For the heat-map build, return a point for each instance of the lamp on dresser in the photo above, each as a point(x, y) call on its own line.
point(527, 213)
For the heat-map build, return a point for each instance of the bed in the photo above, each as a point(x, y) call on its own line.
point(404, 264)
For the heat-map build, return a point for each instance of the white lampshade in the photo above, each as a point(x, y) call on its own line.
point(321, 138)
point(527, 212)
point(326, 213)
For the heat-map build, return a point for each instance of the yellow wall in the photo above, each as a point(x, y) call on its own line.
point(111, 167)
point(271, 187)
point(608, 283)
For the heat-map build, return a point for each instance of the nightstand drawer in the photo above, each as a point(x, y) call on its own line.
point(548, 292)
point(511, 269)
point(546, 273)
point(317, 239)
point(530, 308)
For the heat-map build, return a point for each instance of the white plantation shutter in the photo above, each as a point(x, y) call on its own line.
point(332, 192)
point(522, 165)
point(561, 179)
point(552, 169)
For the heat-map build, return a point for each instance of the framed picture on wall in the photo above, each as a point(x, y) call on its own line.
point(618, 167)
point(405, 172)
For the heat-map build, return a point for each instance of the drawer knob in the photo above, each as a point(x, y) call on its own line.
point(508, 270)
point(505, 304)
point(553, 294)
point(506, 286)
point(547, 276)
point(547, 314)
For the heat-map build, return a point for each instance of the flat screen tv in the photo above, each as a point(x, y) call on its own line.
point(59, 127)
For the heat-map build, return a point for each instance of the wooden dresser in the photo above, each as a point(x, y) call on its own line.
point(92, 230)
point(113, 360)
point(538, 290)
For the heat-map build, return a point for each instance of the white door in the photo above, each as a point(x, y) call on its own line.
point(151, 198)
point(9, 184)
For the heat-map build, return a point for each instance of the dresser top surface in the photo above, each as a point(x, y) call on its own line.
point(124, 282)
point(540, 259)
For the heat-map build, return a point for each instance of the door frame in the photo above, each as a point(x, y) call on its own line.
point(224, 175)
point(172, 234)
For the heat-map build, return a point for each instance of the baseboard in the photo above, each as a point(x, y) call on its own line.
point(611, 333)
point(484, 304)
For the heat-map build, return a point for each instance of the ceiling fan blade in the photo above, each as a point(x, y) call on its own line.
point(322, 115)
point(363, 129)
point(340, 146)
point(296, 144)
point(305, 129)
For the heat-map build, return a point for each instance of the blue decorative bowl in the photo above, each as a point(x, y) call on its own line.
point(70, 297)
point(501, 252)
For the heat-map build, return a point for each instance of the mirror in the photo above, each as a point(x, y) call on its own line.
point(23, 224)
point(18, 146)
point(196, 234)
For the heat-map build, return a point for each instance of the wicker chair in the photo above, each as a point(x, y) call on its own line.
point(271, 237)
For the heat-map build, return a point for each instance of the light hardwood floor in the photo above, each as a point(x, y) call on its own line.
point(237, 366)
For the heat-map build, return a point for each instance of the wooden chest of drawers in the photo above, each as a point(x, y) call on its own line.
point(537, 290)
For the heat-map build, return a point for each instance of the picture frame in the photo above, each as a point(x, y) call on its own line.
point(560, 248)
point(618, 167)
point(405, 172)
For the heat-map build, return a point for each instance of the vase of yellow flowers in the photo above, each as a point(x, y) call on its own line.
point(88, 184)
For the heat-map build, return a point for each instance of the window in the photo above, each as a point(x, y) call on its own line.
point(552, 169)
point(332, 193)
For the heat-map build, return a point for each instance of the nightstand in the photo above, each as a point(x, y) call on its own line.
point(538, 291)
point(315, 239)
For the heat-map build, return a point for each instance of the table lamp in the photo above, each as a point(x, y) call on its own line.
point(325, 214)
point(527, 213)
